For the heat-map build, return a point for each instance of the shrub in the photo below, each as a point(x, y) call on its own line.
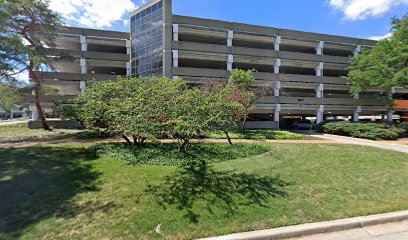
point(373, 131)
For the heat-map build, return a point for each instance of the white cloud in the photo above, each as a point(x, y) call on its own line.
point(388, 35)
point(361, 9)
point(93, 13)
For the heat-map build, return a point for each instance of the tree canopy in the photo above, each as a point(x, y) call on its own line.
point(384, 66)
point(27, 29)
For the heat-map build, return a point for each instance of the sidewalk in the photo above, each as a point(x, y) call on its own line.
point(388, 226)
point(392, 145)
point(388, 231)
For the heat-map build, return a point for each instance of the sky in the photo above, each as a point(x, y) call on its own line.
point(354, 18)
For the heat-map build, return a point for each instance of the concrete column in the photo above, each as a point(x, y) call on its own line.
point(277, 88)
point(175, 58)
point(278, 41)
point(11, 115)
point(319, 114)
point(276, 115)
point(390, 115)
point(319, 90)
point(356, 114)
point(391, 93)
point(84, 43)
point(319, 70)
point(278, 63)
point(175, 32)
point(128, 69)
point(319, 48)
point(128, 47)
point(34, 115)
point(82, 86)
point(357, 51)
point(230, 38)
point(230, 62)
point(84, 68)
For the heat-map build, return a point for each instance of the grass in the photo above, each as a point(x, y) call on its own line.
point(259, 135)
point(69, 191)
point(20, 132)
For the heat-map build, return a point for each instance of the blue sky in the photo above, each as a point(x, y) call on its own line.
point(356, 18)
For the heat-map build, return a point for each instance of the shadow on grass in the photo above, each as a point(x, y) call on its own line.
point(37, 183)
point(197, 183)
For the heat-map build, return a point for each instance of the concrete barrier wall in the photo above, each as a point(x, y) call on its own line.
point(56, 124)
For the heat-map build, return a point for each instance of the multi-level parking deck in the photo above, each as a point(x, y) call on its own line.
point(306, 69)
point(80, 56)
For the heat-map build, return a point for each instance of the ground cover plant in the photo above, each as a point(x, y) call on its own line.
point(69, 191)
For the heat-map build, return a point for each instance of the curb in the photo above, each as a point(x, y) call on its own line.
point(316, 228)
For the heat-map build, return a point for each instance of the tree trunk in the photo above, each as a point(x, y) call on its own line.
point(127, 139)
point(38, 102)
point(183, 146)
point(228, 137)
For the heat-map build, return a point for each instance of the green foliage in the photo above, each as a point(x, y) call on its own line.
point(386, 65)
point(168, 154)
point(374, 131)
point(10, 96)
point(241, 78)
point(150, 108)
point(21, 47)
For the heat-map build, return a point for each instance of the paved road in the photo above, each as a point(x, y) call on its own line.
point(389, 231)
point(348, 140)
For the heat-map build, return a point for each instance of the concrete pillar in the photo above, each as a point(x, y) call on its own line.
point(319, 48)
point(84, 43)
point(230, 62)
point(34, 115)
point(82, 86)
point(356, 114)
point(276, 115)
point(175, 32)
point(278, 41)
point(128, 47)
point(319, 70)
point(391, 93)
point(11, 115)
point(357, 51)
point(319, 114)
point(230, 38)
point(128, 68)
point(175, 58)
point(319, 90)
point(277, 88)
point(278, 63)
point(390, 115)
point(84, 68)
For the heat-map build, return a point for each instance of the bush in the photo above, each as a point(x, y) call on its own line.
point(373, 131)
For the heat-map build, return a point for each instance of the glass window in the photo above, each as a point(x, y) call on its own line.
point(147, 42)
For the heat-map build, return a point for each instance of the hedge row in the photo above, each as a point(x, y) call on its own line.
point(373, 131)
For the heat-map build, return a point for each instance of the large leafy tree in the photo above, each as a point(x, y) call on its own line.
point(10, 97)
point(384, 66)
point(26, 28)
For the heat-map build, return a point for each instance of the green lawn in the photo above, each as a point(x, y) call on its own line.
point(259, 134)
point(67, 191)
point(20, 132)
